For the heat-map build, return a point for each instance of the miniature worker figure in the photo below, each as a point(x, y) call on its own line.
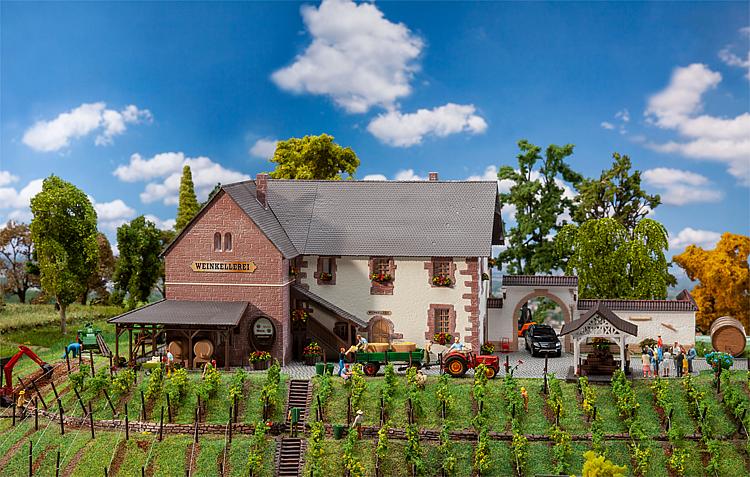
point(170, 363)
point(342, 358)
point(646, 362)
point(346, 374)
point(75, 348)
point(420, 379)
point(691, 355)
point(659, 342)
point(21, 401)
point(456, 346)
point(358, 423)
point(361, 343)
point(525, 396)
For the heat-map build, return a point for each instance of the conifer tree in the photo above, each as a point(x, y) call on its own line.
point(188, 204)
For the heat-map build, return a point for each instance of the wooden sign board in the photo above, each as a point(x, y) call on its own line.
point(224, 267)
point(382, 312)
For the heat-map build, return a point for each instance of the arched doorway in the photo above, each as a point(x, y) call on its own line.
point(540, 294)
point(380, 330)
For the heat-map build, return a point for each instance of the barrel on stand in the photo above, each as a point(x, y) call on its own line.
point(728, 336)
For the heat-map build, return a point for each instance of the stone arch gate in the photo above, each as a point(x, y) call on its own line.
point(503, 312)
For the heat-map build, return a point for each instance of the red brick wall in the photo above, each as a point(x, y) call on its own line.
point(248, 243)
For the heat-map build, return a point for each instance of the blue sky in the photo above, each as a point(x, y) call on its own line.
point(116, 97)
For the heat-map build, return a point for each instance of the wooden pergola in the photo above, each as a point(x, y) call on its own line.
point(177, 317)
point(599, 322)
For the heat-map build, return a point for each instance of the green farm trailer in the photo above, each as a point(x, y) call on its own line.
point(371, 361)
point(91, 339)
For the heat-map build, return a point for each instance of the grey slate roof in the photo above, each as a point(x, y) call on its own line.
point(367, 218)
point(304, 292)
point(640, 305)
point(184, 312)
point(602, 310)
point(540, 280)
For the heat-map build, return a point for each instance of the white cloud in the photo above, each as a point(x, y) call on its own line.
point(408, 175)
point(57, 133)
point(18, 202)
point(731, 59)
point(263, 148)
point(168, 168)
point(689, 236)
point(623, 115)
point(677, 107)
point(607, 125)
point(374, 177)
point(7, 178)
point(404, 130)
point(161, 224)
point(116, 209)
point(678, 187)
point(357, 57)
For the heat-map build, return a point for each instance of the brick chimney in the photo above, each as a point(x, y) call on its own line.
point(261, 189)
point(433, 176)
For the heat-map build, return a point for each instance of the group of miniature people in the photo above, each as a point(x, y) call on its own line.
point(659, 359)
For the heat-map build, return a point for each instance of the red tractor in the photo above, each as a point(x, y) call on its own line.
point(457, 363)
point(6, 391)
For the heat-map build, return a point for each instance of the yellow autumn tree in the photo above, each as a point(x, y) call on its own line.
point(724, 276)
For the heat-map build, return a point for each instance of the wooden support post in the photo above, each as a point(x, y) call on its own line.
point(80, 401)
point(669, 419)
point(109, 401)
point(741, 427)
point(513, 411)
point(127, 426)
point(67, 359)
point(91, 420)
point(143, 408)
point(231, 425)
point(382, 410)
point(169, 409)
point(62, 420)
point(57, 463)
point(161, 424)
point(443, 410)
point(36, 415)
point(54, 390)
point(91, 358)
point(236, 408)
point(594, 414)
point(13, 423)
point(195, 428)
point(320, 409)
point(106, 474)
point(557, 415)
point(31, 457)
point(130, 345)
point(199, 408)
point(348, 411)
point(143, 471)
point(411, 412)
point(111, 367)
point(80, 358)
point(36, 389)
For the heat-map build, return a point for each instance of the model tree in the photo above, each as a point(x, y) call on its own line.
point(313, 157)
point(539, 200)
point(188, 205)
point(100, 275)
point(724, 279)
point(165, 238)
point(16, 253)
point(63, 231)
point(613, 263)
point(139, 265)
point(617, 194)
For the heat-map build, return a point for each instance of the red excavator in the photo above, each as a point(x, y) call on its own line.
point(6, 389)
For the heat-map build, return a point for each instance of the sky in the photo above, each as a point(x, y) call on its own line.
point(117, 97)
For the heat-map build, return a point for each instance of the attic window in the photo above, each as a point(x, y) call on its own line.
point(217, 242)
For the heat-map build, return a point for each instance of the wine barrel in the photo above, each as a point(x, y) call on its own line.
point(177, 348)
point(203, 349)
point(728, 336)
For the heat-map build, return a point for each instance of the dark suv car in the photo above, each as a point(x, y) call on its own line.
point(542, 339)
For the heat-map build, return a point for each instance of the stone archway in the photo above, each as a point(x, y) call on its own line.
point(380, 330)
point(540, 293)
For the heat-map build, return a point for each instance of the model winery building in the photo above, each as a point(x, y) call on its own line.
point(272, 264)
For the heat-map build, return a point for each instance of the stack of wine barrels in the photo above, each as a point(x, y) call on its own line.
point(203, 350)
point(728, 336)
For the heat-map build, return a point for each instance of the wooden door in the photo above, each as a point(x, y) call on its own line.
point(380, 331)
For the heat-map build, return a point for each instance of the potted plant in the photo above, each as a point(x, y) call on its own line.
point(485, 276)
point(442, 338)
point(381, 277)
point(325, 277)
point(299, 316)
point(312, 353)
point(293, 272)
point(259, 359)
point(488, 348)
point(442, 281)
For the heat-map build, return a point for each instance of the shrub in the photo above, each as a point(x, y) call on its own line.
point(257, 449)
point(78, 380)
point(123, 381)
point(236, 385)
point(209, 385)
point(597, 465)
point(561, 450)
point(445, 451)
point(443, 392)
point(351, 463)
point(102, 380)
point(177, 385)
point(314, 455)
point(154, 386)
point(357, 385)
point(413, 451)
point(554, 397)
point(520, 447)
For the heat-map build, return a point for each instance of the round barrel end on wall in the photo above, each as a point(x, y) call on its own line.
point(728, 335)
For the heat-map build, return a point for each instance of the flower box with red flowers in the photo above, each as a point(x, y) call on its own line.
point(381, 277)
point(312, 353)
point(488, 348)
point(325, 277)
point(299, 316)
point(442, 281)
point(442, 338)
point(260, 359)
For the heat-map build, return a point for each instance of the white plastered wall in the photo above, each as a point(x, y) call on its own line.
point(411, 299)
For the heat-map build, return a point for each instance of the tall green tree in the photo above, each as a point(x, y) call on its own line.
point(188, 205)
point(610, 262)
point(313, 157)
point(63, 231)
point(539, 200)
point(616, 193)
point(139, 265)
point(100, 275)
point(165, 238)
point(16, 259)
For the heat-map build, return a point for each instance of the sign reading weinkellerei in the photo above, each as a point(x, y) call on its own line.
point(226, 267)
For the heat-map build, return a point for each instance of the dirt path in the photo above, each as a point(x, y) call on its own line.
point(118, 458)
point(14, 448)
point(71, 467)
point(191, 457)
point(222, 467)
point(38, 461)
